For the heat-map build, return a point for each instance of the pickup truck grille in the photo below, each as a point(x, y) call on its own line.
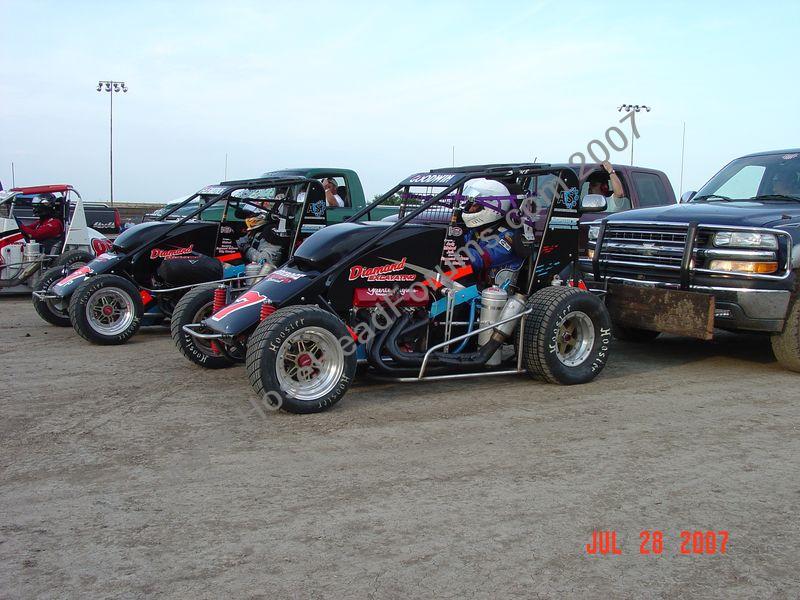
point(654, 249)
point(661, 248)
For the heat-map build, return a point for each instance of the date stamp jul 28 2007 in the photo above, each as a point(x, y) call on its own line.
point(652, 542)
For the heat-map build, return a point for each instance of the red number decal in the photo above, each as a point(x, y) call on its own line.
point(711, 542)
point(645, 537)
point(724, 542)
point(697, 542)
point(658, 542)
point(686, 536)
point(655, 540)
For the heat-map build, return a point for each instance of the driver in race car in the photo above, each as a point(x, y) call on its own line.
point(49, 226)
point(256, 249)
point(491, 247)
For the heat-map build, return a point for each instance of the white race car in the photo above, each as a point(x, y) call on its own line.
point(26, 264)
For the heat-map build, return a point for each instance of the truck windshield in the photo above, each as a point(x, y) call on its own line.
point(772, 176)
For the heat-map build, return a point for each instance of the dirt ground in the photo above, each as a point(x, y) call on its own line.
point(127, 472)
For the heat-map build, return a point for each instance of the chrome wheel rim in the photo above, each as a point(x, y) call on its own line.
point(575, 338)
point(110, 311)
point(57, 307)
point(309, 363)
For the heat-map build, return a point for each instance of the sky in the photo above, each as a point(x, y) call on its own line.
point(387, 89)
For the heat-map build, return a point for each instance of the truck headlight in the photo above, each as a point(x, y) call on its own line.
point(745, 239)
point(743, 266)
point(594, 231)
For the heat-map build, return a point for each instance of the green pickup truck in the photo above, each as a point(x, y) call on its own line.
point(349, 189)
point(348, 186)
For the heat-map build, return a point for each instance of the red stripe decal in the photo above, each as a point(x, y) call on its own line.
point(227, 257)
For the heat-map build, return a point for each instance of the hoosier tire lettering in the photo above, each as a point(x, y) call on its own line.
point(196, 305)
point(277, 351)
point(544, 330)
point(125, 305)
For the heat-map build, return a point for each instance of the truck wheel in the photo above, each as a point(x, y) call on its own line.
point(55, 312)
point(295, 360)
point(786, 345)
point(634, 334)
point(566, 337)
point(196, 305)
point(106, 309)
point(74, 259)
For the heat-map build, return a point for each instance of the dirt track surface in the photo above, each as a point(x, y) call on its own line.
point(127, 472)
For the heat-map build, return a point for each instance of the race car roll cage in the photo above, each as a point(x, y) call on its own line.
point(230, 187)
point(9, 198)
point(450, 179)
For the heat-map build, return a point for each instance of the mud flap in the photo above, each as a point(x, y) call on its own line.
point(657, 309)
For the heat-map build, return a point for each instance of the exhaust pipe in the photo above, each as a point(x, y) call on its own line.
point(514, 306)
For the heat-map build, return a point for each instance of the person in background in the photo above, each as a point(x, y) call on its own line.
point(785, 183)
point(598, 184)
point(332, 197)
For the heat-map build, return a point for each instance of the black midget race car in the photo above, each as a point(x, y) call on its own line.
point(461, 283)
point(151, 265)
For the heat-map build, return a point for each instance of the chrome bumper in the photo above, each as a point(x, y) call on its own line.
point(45, 295)
point(190, 329)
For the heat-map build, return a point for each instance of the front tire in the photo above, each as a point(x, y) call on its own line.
point(73, 259)
point(55, 312)
point(786, 344)
point(296, 361)
point(196, 305)
point(106, 310)
point(567, 336)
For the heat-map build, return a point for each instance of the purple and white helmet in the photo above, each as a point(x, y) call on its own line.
point(495, 204)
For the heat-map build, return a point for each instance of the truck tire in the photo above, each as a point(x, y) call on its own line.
point(55, 312)
point(106, 310)
point(634, 334)
point(567, 337)
point(74, 258)
point(195, 306)
point(296, 362)
point(786, 344)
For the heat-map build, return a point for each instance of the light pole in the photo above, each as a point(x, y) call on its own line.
point(635, 108)
point(111, 87)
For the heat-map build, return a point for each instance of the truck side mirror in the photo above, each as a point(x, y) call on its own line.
point(687, 196)
point(593, 203)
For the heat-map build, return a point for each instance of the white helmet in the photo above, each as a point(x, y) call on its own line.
point(492, 209)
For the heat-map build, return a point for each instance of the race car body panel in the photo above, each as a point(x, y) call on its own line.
point(405, 256)
point(64, 287)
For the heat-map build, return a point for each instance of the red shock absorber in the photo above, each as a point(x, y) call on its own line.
point(266, 310)
point(220, 298)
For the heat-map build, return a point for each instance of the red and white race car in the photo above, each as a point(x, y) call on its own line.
point(64, 241)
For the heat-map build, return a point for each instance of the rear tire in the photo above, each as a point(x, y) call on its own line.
point(634, 334)
point(296, 362)
point(106, 310)
point(55, 312)
point(195, 306)
point(567, 336)
point(786, 345)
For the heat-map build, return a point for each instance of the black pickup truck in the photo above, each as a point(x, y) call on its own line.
point(727, 257)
